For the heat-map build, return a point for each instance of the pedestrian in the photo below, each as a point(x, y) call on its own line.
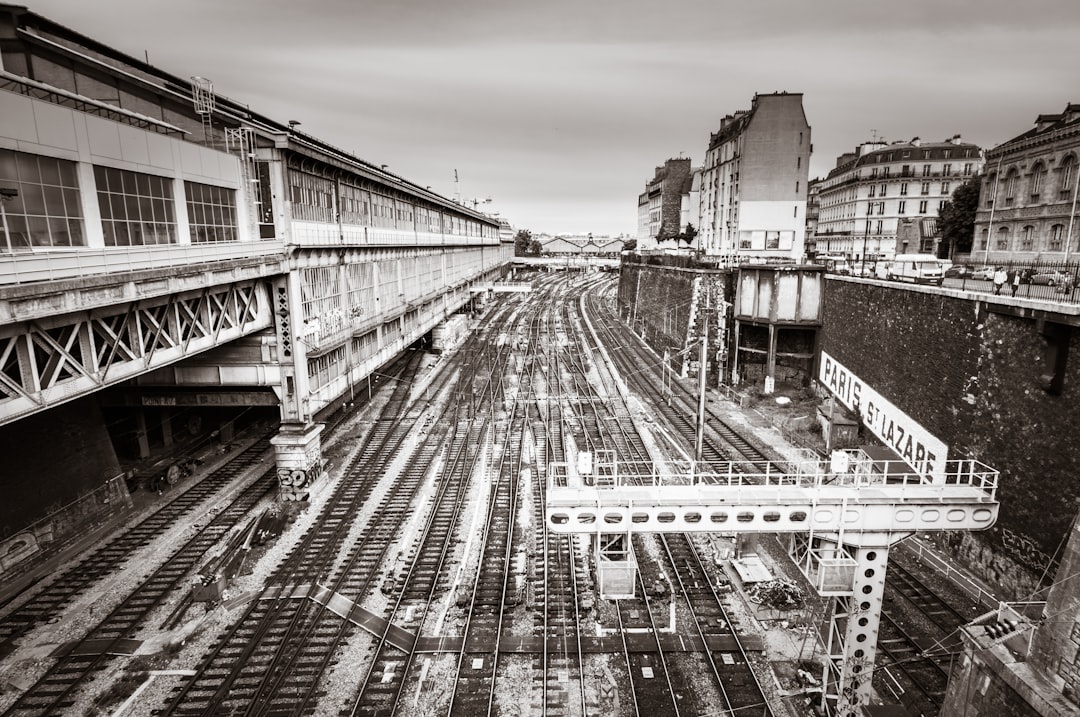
point(1015, 281)
point(1000, 277)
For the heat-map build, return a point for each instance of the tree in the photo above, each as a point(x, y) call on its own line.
point(630, 245)
point(524, 244)
point(687, 235)
point(956, 218)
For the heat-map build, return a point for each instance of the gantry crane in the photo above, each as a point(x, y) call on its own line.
point(842, 514)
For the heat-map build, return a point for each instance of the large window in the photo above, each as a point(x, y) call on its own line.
point(1038, 178)
point(1002, 239)
point(136, 209)
point(1027, 238)
point(1011, 180)
point(211, 212)
point(312, 197)
point(1056, 234)
point(44, 209)
point(1068, 177)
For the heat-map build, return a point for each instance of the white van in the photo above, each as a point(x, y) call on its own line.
point(919, 268)
point(835, 264)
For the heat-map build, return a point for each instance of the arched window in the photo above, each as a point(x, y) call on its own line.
point(1068, 177)
point(984, 238)
point(1002, 239)
point(1011, 180)
point(1027, 237)
point(1057, 234)
point(1038, 179)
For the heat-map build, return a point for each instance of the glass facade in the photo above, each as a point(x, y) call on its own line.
point(136, 208)
point(211, 213)
point(40, 202)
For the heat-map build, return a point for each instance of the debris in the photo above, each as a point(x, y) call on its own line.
point(777, 594)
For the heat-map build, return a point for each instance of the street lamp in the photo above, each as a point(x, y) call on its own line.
point(7, 193)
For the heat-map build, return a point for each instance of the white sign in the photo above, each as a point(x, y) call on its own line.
point(917, 446)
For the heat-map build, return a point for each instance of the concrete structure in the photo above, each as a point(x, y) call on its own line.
point(753, 182)
point(990, 376)
point(1028, 203)
point(1021, 659)
point(883, 199)
point(174, 261)
point(664, 204)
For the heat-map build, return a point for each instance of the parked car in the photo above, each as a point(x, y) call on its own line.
point(959, 271)
point(984, 273)
point(1050, 277)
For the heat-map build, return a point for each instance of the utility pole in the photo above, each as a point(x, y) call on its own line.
point(1072, 212)
point(701, 382)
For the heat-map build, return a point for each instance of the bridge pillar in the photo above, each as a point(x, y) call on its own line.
point(298, 450)
point(859, 620)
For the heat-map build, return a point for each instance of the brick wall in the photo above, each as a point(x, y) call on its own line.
point(972, 378)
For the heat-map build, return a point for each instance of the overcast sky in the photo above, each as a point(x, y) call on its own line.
point(560, 110)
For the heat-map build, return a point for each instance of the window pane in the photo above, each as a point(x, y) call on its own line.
point(120, 229)
point(28, 168)
point(75, 229)
point(8, 166)
point(39, 230)
point(54, 200)
point(68, 174)
point(50, 174)
point(33, 199)
point(59, 231)
point(72, 206)
point(116, 180)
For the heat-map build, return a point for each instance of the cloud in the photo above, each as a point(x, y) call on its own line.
point(560, 110)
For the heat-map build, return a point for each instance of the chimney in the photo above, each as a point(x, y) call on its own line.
point(915, 141)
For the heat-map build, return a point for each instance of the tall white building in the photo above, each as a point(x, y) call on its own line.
point(753, 182)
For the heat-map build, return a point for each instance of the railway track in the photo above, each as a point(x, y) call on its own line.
point(46, 602)
point(430, 566)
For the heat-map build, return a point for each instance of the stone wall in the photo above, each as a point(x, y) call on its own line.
point(976, 377)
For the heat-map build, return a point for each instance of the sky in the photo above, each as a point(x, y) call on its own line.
point(559, 111)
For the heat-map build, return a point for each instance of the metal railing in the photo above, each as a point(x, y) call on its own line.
point(48, 264)
point(1046, 281)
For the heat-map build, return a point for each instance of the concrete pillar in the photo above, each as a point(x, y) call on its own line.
point(140, 433)
point(166, 428)
point(298, 453)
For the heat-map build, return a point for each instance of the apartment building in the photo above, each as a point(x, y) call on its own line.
point(883, 198)
point(754, 181)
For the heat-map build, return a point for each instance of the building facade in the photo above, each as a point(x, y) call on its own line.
point(883, 199)
point(813, 208)
point(1028, 203)
point(660, 206)
point(203, 263)
point(753, 181)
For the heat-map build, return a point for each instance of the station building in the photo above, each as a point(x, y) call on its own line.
point(173, 264)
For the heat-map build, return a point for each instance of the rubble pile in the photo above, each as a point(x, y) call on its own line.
point(777, 594)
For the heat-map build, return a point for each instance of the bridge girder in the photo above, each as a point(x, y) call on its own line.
point(48, 361)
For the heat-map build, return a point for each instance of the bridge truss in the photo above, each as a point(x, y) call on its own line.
point(50, 360)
